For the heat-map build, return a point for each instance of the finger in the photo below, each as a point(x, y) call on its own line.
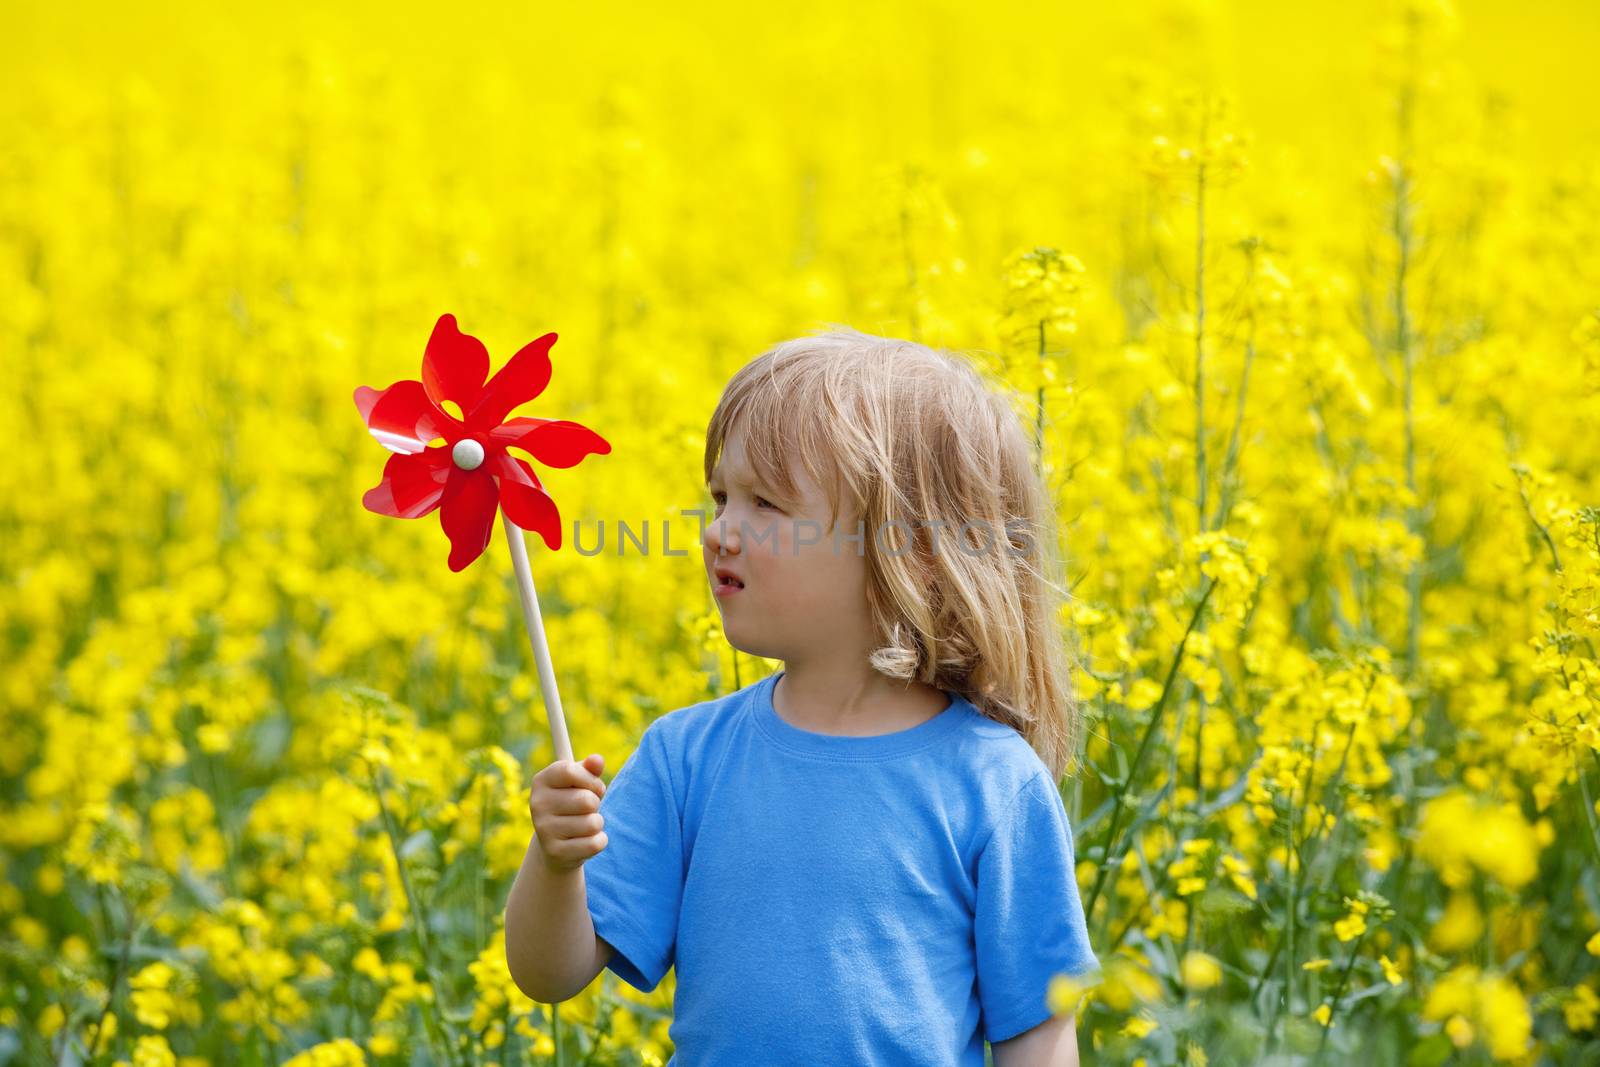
point(576, 774)
point(576, 849)
point(567, 827)
point(572, 802)
point(565, 772)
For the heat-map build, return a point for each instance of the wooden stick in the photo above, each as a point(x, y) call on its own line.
point(541, 648)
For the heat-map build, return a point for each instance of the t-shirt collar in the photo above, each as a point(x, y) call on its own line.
point(876, 746)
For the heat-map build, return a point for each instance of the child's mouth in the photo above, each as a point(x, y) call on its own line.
point(727, 586)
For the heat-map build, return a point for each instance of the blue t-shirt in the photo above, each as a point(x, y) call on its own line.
point(892, 900)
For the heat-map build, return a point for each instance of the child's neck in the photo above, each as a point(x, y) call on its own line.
point(852, 704)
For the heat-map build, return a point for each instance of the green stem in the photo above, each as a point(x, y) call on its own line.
point(1231, 456)
point(1344, 980)
point(483, 832)
point(1588, 805)
point(1292, 861)
point(130, 931)
point(1107, 863)
point(1401, 223)
point(1199, 339)
point(1315, 837)
point(439, 1024)
point(1199, 800)
point(1038, 413)
point(1527, 506)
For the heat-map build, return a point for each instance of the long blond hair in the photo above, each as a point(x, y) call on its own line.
point(907, 433)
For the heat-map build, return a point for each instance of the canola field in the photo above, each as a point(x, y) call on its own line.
point(1301, 304)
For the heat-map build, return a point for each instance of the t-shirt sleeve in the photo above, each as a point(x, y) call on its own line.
point(635, 883)
point(1029, 924)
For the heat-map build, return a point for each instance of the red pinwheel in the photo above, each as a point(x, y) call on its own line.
point(473, 474)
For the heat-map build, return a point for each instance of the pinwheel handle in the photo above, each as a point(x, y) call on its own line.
point(541, 648)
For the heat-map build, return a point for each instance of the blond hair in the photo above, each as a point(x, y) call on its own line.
point(903, 432)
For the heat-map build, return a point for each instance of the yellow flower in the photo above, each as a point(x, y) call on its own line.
point(1507, 1022)
point(214, 737)
point(1064, 995)
point(1350, 927)
point(152, 1050)
point(1127, 982)
point(1238, 871)
point(1390, 971)
point(1042, 289)
point(1581, 1009)
point(108, 1030)
point(369, 963)
point(1200, 971)
point(340, 1052)
point(1170, 917)
point(1143, 695)
point(152, 1003)
point(1459, 927)
point(1473, 1002)
point(1323, 1014)
point(1456, 833)
point(50, 1019)
point(377, 753)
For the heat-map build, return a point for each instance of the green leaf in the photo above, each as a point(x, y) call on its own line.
point(1430, 1051)
point(1223, 901)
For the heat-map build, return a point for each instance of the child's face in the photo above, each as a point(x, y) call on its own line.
point(802, 599)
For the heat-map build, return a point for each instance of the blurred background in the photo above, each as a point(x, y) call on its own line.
point(1301, 304)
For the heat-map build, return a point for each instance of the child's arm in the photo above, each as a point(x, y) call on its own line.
point(552, 950)
point(1053, 1043)
point(1029, 927)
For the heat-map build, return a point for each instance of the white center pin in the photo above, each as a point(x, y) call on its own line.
point(468, 454)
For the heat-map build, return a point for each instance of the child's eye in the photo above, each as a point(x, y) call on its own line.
point(717, 498)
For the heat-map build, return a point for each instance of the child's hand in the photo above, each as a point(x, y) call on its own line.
point(565, 805)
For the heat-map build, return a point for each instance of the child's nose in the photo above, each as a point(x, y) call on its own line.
point(721, 537)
